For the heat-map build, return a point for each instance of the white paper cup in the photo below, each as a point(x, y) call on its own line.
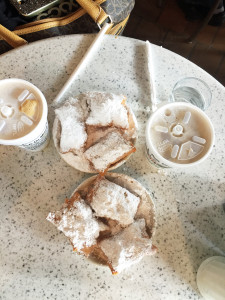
point(37, 139)
point(211, 278)
point(153, 154)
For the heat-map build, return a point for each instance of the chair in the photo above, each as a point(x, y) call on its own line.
point(204, 22)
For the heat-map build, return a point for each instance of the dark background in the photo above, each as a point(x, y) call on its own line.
point(167, 26)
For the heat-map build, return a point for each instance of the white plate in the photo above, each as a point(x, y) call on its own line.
point(146, 210)
point(79, 163)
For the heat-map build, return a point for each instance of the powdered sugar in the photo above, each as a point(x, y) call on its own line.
point(83, 121)
point(108, 150)
point(107, 109)
point(73, 134)
point(127, 247)
point(115, 202)
point(129, 214)
point(78, 224)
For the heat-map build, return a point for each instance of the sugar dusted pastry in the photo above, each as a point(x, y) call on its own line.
point(127, 247)
point(107, 109)
point(112, 201)
point(73, 133)
point(86, 121)
point(109, 150)
point(110, 219)
point(77, 222)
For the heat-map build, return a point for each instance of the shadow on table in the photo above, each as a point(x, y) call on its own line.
point(142, 74)
point(188, 233)
point(207, 230)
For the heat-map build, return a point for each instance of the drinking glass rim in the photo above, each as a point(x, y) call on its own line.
point(194, 78)
point(199, 80)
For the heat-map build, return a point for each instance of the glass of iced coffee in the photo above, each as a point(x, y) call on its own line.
point(23, 115)
point(178, 135)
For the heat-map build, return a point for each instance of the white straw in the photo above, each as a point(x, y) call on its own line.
point(151, 79)
point(84, 60)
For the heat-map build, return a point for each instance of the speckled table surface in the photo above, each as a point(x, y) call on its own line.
point(36, 261)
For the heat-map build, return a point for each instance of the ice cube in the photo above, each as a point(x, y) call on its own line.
point(189, 150)
point(187, 117)
point(198, 139)
point(161, 129)
point(174, 151)
point(2, 124)
point(26, 120)
point(31, 97)
point(23, 95)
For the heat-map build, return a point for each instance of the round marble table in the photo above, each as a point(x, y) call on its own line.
point(36, 261)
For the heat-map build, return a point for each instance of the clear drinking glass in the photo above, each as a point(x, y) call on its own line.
point(192, 90)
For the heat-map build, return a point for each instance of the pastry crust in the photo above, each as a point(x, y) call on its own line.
point(110, 149)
